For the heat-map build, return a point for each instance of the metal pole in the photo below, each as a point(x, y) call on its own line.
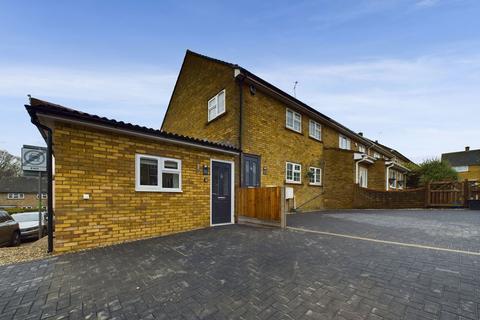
point(50, 191)
point(40, 226)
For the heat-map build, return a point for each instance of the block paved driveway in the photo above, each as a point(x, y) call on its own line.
point(453, 229)
point(243, 272)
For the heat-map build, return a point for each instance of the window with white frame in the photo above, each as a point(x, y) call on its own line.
point(44, 196)
point(362, 177)
point(343, 142)
point(315, 176)
point(460, 168)
point(293, 173)
point(15, 196)
point(400, 180)
point(361, 148)
point(315, 130)
point(157, 174)
point(396, 179)
point(392, 179)
point(376, 155)
point(216, 105)
point(294, 120)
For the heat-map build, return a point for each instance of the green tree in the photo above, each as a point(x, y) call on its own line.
point(432, 170)
point(9, 165)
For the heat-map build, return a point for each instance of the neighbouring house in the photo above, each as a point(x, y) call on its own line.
point(22, 192)
point(466, 163)
point(115, 181)
point(282, 141)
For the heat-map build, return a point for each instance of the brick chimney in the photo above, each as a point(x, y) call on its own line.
point(467, 148)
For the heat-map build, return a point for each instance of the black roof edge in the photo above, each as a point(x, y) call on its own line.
point(38, 106)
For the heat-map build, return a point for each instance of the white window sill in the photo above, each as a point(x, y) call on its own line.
point(293, 182)
point(159, 190)
point(315, 184)
point(292, 129)
point(216, 117)
point(315, 138)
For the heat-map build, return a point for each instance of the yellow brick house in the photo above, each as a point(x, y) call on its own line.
point(116, 181)
point(283, 141)
point(466, 163)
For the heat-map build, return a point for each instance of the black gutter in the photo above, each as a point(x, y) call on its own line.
point(50, 183)
point(240, 140)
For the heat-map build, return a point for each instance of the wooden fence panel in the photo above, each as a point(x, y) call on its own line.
point(260, 203)
point(446, 194)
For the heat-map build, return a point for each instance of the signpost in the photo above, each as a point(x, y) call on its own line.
point(34, 159)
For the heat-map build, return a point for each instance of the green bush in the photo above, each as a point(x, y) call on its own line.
point(432, 170)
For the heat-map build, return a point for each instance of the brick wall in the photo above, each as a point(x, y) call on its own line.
point(339, 178)
point(199, 80)
point(375, 199)
point(267, 136)
point(102, 164)
point(472, 174)
point(377, 175)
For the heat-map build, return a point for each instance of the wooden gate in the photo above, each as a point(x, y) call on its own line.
point(261, 205)
point(446, 194)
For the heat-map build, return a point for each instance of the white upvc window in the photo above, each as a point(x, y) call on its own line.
point(15, 196)
point(400, 180)
point(293, 172)
point(315, 176)
point(393, 179)
point(216, 105)
point(343, 142)
point(376, 155)
point(315, 130)
point(294, 120)
point(460, 168)
point(361, 148)
point(157, 174)
point(362, 177)
point(44, 196)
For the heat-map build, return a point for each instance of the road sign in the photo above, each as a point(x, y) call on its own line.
point(34, 158)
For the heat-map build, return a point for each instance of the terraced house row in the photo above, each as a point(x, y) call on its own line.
point(283, 141)
point(225, 128)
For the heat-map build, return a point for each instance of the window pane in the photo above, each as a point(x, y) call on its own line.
point(148, 172)
point(289, 119)
point(170, 180)
point(168, 164)
point(212, 113)
point(312, 175)
point(221, 102)
point(289, 171)
point(296, 176)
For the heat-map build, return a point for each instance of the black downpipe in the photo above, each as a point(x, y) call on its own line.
point(240, 140)
point(50, 185)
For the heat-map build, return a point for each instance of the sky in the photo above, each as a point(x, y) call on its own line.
point(403, 72)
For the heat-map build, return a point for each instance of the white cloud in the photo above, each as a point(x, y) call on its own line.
point(422, 107)
point(146, 90)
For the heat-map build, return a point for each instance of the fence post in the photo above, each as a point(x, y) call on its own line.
point(427, 194)
point(283, 217)
point(466, 193)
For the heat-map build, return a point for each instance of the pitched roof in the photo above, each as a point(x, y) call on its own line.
point(21, 184)
point(280, 92)
point(395, 152)
point(462, 158)
point(41, 107)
